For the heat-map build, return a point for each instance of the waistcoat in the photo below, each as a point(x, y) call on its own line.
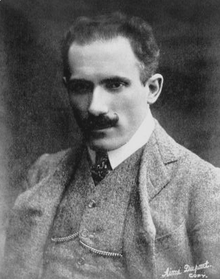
point(86, 239)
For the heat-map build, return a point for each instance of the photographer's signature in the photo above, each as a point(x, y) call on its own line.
point(191, 270)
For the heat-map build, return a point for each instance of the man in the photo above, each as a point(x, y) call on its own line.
point(128, 202)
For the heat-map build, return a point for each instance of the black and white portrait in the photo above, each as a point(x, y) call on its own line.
point(109, 139)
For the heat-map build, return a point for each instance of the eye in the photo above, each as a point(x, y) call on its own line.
point(79, 87)
point(115, 85)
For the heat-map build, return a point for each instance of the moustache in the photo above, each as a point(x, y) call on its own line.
point(100, 122)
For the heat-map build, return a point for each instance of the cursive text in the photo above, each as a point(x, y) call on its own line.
point(190, 269)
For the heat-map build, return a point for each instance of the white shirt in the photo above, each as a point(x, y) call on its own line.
point(139, 139)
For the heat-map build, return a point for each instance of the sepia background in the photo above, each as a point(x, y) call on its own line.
point(35, 116)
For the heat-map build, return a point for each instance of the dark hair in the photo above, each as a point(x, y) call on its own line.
point(86, 30)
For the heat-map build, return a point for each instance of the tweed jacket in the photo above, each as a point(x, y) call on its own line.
point(171, 230)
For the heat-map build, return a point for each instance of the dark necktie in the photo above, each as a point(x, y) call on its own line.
point(101, 167)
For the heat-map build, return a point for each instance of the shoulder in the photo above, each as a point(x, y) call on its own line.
point(187, 164)
point(47, 164)
point(196, 168)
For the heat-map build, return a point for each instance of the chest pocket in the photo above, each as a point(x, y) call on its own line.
point(173, 239)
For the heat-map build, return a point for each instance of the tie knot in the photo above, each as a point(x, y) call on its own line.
point(101, 158)
point(102, 166)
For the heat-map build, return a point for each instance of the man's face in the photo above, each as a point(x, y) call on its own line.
point(108, 98)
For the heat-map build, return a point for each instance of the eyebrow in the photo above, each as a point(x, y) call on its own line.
point(79, 80)
point(116, 79)
point(103, 81)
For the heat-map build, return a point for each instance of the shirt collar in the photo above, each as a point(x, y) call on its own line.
point(139, 139)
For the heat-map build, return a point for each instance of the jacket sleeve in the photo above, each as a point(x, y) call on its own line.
point(204, 233)
point(27, 217)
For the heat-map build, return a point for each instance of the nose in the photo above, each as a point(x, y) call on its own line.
point(98, 102)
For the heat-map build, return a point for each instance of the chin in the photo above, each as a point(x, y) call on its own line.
point(104, 144)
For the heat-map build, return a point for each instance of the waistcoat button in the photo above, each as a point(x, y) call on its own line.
point(92, 204)
point(81, 261)
point(84, 233)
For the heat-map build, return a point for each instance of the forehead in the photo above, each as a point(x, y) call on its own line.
point(103, 56)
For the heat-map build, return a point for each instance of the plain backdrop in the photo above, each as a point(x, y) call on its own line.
point(35, 116)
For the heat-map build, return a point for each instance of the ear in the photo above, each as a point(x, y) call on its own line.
point(155, 84)
point(65, 82)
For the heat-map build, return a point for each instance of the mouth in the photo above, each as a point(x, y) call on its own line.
point(99, 127)
point(98, 132)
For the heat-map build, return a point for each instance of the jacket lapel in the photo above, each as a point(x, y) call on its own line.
point(160, 151)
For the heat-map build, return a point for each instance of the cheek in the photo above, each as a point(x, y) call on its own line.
point(131, 106)
point(79, 103)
